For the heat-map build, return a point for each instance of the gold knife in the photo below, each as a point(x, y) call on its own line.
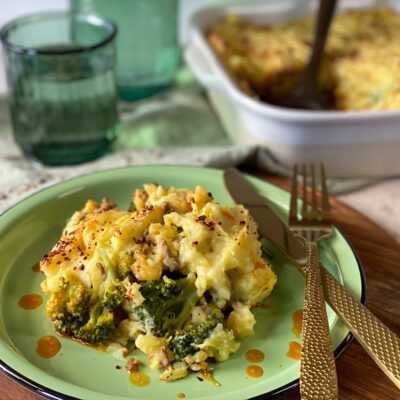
point(382, 344)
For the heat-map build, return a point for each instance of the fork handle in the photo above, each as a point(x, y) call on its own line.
point(381, 344)
point(317, 369)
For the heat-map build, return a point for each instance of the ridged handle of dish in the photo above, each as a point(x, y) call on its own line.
point(318, 370)
point(381, 344)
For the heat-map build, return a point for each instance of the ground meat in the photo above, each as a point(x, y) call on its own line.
point(132, 365)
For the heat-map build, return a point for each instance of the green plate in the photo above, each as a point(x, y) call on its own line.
point(28, 231)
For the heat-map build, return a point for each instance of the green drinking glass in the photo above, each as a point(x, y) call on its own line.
point(62, 86)
point(147, 43)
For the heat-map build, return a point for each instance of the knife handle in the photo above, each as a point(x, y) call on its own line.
point(381, 344)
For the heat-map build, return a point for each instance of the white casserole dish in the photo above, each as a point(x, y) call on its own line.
point(362, 143)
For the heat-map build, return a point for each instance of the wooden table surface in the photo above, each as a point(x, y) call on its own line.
point(359, 377)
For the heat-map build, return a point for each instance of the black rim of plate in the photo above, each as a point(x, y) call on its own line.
point(54, 395)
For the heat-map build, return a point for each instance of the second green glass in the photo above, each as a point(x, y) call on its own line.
point(147, 44)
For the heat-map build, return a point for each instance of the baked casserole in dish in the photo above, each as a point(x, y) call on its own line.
point(360, 69)
point(254, 57)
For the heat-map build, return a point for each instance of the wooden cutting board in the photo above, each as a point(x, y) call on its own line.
point(359, 377)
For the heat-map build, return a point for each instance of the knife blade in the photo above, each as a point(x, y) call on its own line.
point(380, 343)
point(270, 225)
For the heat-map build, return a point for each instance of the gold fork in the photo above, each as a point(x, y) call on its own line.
point(317, 366)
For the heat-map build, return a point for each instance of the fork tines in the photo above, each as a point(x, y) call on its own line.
point(316, 208)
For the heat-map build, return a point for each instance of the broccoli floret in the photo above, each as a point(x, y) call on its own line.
point(114, 289)
point(167, 305)
point(72, 296)
point(124, 267)
point(114, 297)
point(94, 326)
point(69, 304)
point(186, 340)
point(88, 317)
point(69, 323)
point(100, 327)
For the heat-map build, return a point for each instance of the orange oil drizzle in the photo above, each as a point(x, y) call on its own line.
point(48, 346)
point(265, 306)
point(36, 267)
point(139, 379)
point(254, 371)
point(297, 322)
point(209, 377)
point(30, 301)
point(254, 355)
point(294, 350)
point(181, 395)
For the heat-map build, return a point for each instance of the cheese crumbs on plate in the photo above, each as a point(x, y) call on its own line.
point(176, 278)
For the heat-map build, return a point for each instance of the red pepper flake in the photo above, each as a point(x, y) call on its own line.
point(209, 224)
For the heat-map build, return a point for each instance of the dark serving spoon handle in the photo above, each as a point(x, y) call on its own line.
point(305, 94)
point(325, 15)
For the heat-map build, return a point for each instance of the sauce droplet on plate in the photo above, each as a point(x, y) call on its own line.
point(36, 267)
point(254, 356)
point(254, 371)
point(294, 350)
point(139, 378)
point(30, 301)
point(48, 346)
point(181, 395)
point(297, 322)
point(209, 377)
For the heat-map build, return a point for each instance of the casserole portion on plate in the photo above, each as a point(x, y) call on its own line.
point(175, 276)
